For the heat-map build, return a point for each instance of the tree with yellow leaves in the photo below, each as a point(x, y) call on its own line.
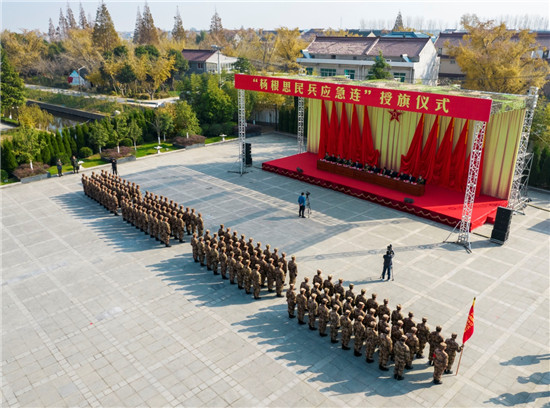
point(288, 47)
point(496, 59)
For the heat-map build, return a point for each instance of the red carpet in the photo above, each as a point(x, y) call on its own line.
point(437, 204)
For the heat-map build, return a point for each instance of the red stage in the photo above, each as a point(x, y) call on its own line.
point(438, 204)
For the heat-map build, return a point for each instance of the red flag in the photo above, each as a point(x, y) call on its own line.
point(427, 157)
point(354, 148)
point(333, 132)
point(443, 157)
point(410, 161)
point(370, 155)
point(469, 329)
point(343, 134)
point(323, 136)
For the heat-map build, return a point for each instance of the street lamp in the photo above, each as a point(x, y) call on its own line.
point(218, 48)
point(80, 77)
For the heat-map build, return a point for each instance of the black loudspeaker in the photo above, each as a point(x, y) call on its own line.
point(299, 170)
point(503, 218)
point(248, 154)
point(408, 200)
point(501, 229)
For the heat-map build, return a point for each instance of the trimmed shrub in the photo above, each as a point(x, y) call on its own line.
point(126, 142)
point(85, 152)
point(108, 154)
point(25, 170)
point(4, 175)
point(184, 141)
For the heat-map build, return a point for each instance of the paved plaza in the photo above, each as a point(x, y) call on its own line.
point(95, 313)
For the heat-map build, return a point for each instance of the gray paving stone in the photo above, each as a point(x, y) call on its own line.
point(95, 313)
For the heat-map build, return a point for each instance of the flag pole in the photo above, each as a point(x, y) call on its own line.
point(459, 359)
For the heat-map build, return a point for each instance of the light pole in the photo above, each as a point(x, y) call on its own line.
point(218, 48)
point(80, 78)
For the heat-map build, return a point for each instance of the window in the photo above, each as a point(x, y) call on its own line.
point(200, 65)
point(326, 72)
point(350, 73)
point(333, 56)
point(309, 71)
point(399, 76)
point(440, 51)
point(452, 62)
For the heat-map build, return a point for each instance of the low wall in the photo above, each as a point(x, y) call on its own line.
point(67, 111)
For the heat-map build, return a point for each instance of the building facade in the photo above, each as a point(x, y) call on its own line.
point(412, 59)
point(212, 61)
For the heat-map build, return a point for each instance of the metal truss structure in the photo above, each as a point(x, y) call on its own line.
point(242, 129)
point(518, 193)
point(301, 109)
point(471, 185)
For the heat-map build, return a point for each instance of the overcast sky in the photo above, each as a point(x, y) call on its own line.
point(23, 14)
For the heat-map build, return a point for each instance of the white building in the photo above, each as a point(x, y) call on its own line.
point(201, 61)
point(412, 59)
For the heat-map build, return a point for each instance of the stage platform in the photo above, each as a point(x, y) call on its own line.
point(438, 204)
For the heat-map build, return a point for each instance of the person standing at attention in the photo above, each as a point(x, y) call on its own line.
point(302, 203)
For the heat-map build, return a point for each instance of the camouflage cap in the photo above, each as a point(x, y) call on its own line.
point(403, 338)
point(443, 344)
point(424, 319)
point(453, 335)
point(411, 314)
point(438, 328)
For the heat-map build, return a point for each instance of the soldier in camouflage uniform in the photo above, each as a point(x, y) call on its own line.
point(423, 333)
point(180, 227)
point(337, 302)
point(339, 288)
point(223, 262)
point(441, 361)
point(318, 278)
point(408, 323)
point(256, 282)
point(214, 259)
point(359, 333)
point(334, 319)
point(396, 315)
point(401, 351)
point(350, 294)
point(239, 269)
point(247, 275)
point(383, 309)
point(328, 285)
point(452, 349)
point(361, 298)
point(291, 301)
point(292, 270)
point(232, 266)
point(371, 341)
point(279, 280)
point(385, 347)
point(345, 323)
point(323, 318)
point(312, 311)
point(372, 303)
point(434, 339)
point(396, 333)
point(412, 342)
point(200, 224)
point(270, 275)
point(305, 285)
point(301, 302)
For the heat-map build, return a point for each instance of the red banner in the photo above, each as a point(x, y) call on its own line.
point(411, 101)
point(469, 329)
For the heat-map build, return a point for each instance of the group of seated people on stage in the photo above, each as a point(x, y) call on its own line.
point(374, 169)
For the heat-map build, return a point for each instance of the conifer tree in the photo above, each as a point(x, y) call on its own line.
point(63, 26)
point(137, 29)
point(216, 23)
point(51, 32)
point(71, 21)
point(380, 69)
point(83, 21)
point(398, 26)
point(11, 92)
point(148, 33)
point(178, 32)
point(104, 34)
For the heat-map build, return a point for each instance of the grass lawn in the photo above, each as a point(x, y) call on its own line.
point(149, 148)
point(218, 139)
point(11, 180)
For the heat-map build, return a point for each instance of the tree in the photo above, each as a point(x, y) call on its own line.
point(34, 117)
point(137, 27)
point(244, 66)
point(288, 47)
point(104, 34)
point(27, 144)
point(540, 128)
point(398, 26)
point(380, 68)
point(120, 131)
point(24, 50)
point(217, 32)
point(148, 33)
point(215, 104)
point(162, 122)
point(185, 119)
point(9, 162)
point(496, 59)
point(180, 65)
point(63, 26)
point(51, 31)
point(125, 76)
point(134, 132)
point(82, 20)
point(99, 135)
point(71, 21)
point(12, 89)
point(178, 33)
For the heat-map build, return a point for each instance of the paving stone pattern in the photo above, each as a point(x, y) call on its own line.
point(95, 313)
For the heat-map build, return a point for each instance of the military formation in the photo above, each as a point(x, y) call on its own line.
point(328, 305)
point(372, 325)
point(153, 214)
point(243, 262)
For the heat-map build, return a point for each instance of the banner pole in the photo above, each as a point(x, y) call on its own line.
point(459, 359)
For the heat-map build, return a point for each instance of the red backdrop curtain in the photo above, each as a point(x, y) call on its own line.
point(442, 166)
point(323, 136)
point(370, 155)
point(456, 176)
point(427, 157)
point(410, 161)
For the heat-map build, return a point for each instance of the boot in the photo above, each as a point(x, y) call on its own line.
point(345, 347)
point(357, 353)
point(333, 341)
point(399, 377)
point(323, 334)
point(381, 367)
point(301, 322)
point(437, 381)
point(370, 360)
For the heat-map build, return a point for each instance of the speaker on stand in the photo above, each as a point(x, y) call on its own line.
point(501, 229)
point(248, 154)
